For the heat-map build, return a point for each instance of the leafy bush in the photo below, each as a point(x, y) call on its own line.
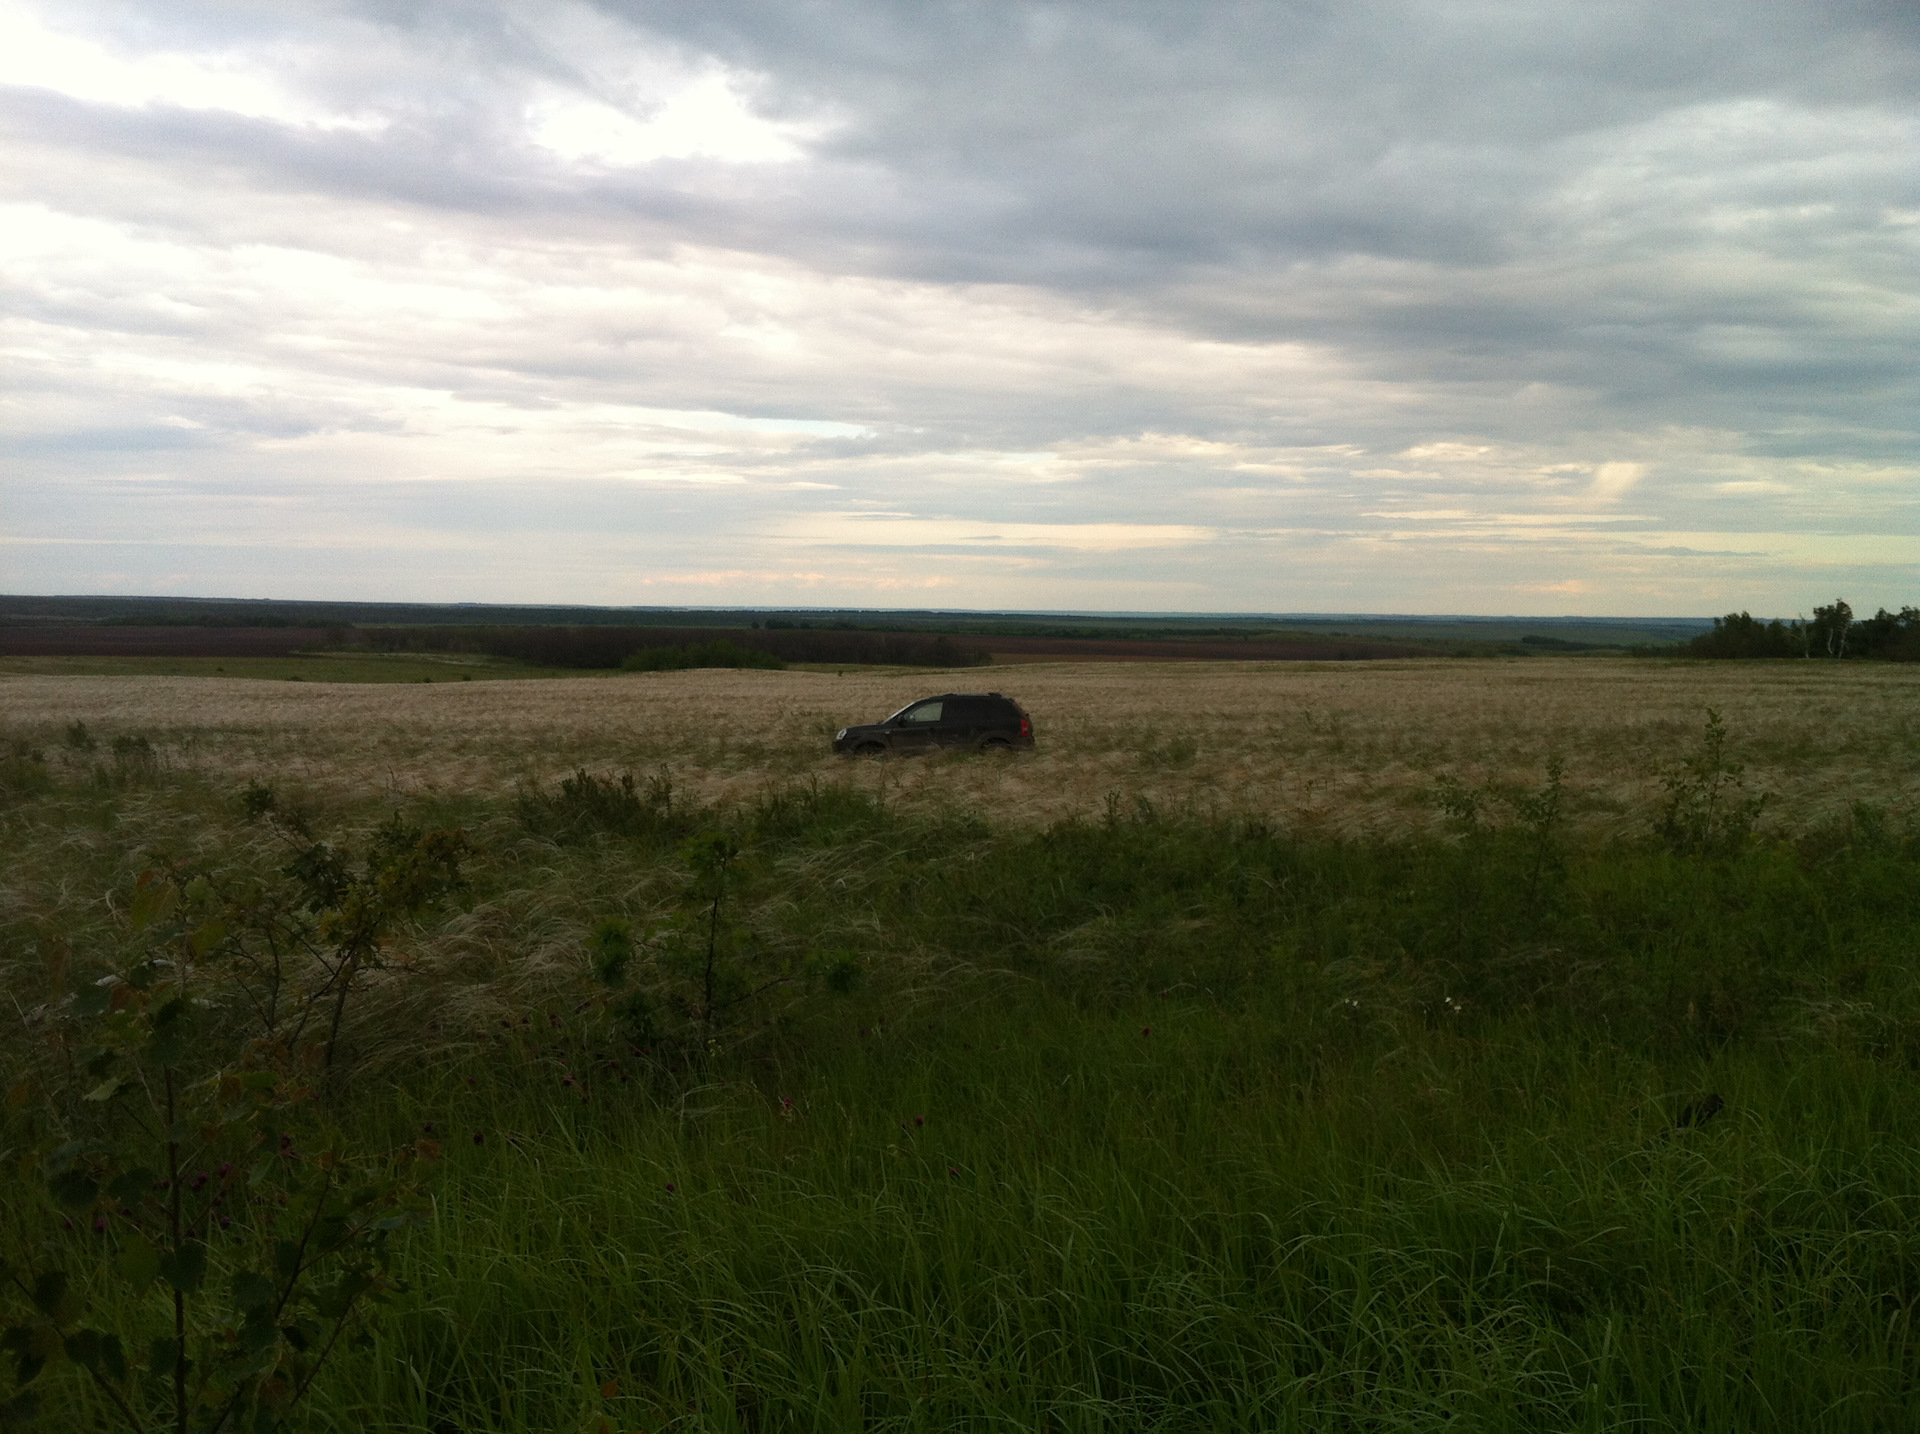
point(1707, 810)
point(220, 1235)
point(23, 771)
point(709, 975)
point(584, 804)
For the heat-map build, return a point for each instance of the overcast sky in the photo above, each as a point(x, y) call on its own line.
point(1553, 306)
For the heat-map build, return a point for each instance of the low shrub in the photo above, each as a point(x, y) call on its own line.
point(23, 771)
point(584, 804)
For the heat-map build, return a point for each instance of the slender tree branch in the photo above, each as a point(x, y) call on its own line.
point(180, 1407)
point(300, 1253)
point(119, 1399)
point(320, 1359)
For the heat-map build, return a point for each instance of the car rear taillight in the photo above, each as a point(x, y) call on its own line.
point(1026, 728)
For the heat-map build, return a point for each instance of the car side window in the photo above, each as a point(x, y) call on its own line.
point(925, 712)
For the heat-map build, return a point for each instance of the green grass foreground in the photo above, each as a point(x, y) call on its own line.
point(1149, 1124)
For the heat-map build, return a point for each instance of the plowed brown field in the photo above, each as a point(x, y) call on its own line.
point(1351, 747)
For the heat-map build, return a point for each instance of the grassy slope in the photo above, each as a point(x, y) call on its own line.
point(1223, 1128)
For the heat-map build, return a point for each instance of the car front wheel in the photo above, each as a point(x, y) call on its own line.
point(869, 749)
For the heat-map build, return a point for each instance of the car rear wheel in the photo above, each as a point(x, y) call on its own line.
point(996, 744)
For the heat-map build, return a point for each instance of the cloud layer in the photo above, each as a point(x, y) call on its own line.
point(1410, 307)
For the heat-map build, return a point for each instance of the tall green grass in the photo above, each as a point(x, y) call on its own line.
point(1150, 1123)
point(1202, 1228)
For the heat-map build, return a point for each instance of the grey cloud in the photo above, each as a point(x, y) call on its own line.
point(1223, 167)
point(142, 438)
point(1193, 131)
point(1559, 230)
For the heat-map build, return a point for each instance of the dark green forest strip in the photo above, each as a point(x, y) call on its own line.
point(606, 646)
point(1437, 634)
point(1833, 633)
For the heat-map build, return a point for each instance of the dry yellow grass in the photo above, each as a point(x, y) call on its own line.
point(1348, 746)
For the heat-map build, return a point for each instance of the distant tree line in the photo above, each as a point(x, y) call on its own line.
point(611, 647)
point(195, 619)
point(699, 654)
point(1833, 632)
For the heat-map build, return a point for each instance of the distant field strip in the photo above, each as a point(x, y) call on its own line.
point(1349, 748)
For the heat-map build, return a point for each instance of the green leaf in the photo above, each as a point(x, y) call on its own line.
point(139, 1262)
point(206, 937)
point(172, 1031)
point(63, 1156)
point(286, 1258)
point(92, 999)
point(259, 1352)
point(185, 1268)
point(258, 1331)
point(74, 1189)
point(101, 1353)
point(29, 1348)
point(107, 1089)
point(252, 1290)
point(162, 1354)
point(19, 1411)
point(113, 1358)
point(132, 1187)
point(154, 898)
point(49, 1289)
point(334, 1299)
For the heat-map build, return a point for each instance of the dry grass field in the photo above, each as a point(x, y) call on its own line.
point(1347, 748)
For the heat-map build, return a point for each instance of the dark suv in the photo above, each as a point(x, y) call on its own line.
point(982, 721)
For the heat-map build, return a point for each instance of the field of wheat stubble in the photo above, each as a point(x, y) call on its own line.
point(1349, 748)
